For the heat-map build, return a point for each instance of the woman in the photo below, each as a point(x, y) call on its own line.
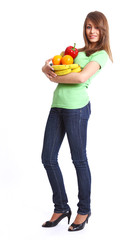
point(70, 112)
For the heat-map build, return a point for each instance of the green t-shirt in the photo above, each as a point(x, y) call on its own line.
point(73, 96)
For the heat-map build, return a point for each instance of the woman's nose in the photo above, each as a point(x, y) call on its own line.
point(92, 30)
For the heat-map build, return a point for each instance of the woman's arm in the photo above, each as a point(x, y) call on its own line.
point(72, 78)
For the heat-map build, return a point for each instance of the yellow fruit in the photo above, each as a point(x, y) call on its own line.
point(78, 69)
point(72, 66)
point(63, 72)
point(60, 67)
point(62, 54)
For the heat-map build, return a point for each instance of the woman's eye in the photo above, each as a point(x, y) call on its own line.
point(88, 27)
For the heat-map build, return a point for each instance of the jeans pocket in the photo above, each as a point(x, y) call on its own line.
point(85, 111)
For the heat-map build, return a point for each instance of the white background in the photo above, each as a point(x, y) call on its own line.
point(31, 32)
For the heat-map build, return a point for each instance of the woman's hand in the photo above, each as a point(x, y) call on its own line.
point(48, 70)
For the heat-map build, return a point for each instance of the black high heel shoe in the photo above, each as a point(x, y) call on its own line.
point(77, 227)
point(54, 223)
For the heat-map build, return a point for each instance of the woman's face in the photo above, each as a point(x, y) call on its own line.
point(92, 32)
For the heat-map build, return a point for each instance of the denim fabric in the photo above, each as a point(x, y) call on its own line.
point(72, 122)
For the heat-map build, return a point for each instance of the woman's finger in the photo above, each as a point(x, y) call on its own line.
point(53, 74)
point(48, 61)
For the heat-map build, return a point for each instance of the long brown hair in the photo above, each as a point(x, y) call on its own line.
point(100, 21)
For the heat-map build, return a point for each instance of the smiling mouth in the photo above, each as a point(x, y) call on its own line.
point(92, 36)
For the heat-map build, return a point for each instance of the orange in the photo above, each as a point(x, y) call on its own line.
point(67, 59)
point(57, 60)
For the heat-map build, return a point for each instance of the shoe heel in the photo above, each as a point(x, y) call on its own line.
point(69, 216)
point(88, 217)
point(68, 219)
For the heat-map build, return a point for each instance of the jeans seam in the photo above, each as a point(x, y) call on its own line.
point(61, 203)
point(57, 163)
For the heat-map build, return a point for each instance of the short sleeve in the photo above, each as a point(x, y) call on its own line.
point(100, 57)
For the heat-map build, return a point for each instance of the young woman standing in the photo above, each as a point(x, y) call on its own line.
point(69, 114)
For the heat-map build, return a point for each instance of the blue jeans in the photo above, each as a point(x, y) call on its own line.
point(73, 122)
